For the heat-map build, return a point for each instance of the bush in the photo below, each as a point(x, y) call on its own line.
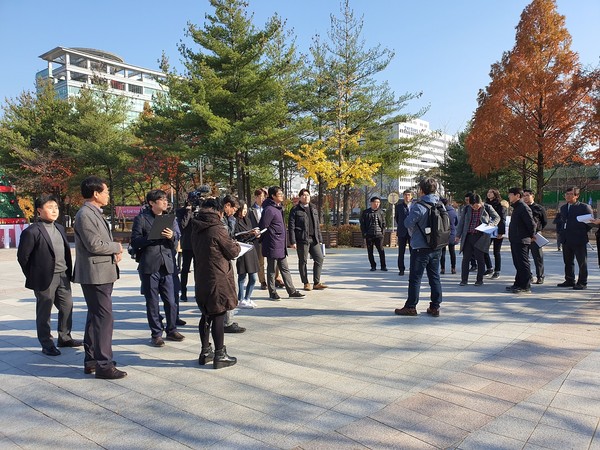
point(345, 234)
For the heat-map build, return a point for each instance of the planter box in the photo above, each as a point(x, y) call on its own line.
point(330, 238)
point(357, 239)
point(390, 239)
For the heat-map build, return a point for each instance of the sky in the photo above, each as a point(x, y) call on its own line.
point(443, 49)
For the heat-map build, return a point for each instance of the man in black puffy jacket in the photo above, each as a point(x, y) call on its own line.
point(372, 226)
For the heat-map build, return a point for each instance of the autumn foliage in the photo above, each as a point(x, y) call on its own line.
point(534, 113)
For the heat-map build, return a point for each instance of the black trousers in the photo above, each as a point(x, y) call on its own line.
point(378, 243)
point(497, 245)
point(469, 253)
point(187, 257)
point(97, 340)
point(570, 253)
point(59, 295)
point(520, 257)
point(452, 252)
point(403, 241)
point(537, 253)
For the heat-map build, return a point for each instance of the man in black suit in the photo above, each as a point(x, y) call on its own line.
point(520, 234)
point(156, 267)
point(401, 213)
point(574, 236)
point(541, 220)
point(45, 258)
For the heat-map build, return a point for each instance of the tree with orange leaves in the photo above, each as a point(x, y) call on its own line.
point(534, 113)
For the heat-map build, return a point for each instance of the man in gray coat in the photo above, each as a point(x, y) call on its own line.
point(96, 270)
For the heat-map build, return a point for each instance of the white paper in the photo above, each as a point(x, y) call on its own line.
point(489, 229)
point(585, 218)
point(245, 248)
point(540, 240)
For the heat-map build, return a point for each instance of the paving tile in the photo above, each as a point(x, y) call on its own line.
point(559, 438)
point(511, 427)
point(374, 434)
point(576, 403)
point(332, 440)
point(489, 441)
point(504, 391)
point(571, 421)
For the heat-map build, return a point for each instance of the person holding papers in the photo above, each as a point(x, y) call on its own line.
point(247, 264)
point(494, 199)
point(574, 236)
point(541, 220)
point(521, 231)
point(155, 239)
point(475, 242)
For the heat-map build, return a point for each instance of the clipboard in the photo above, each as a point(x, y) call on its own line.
point(160, 223)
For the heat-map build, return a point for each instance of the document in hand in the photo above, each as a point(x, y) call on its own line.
point(244, 248)
point(585, 218)
point(160, 223)
point(489, 229)
point(540, 240)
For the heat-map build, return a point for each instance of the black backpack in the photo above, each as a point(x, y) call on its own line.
point(437, 233)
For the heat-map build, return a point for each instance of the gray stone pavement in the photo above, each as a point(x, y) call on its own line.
point(335, 370)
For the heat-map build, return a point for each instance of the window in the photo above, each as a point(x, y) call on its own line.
point(136, 89)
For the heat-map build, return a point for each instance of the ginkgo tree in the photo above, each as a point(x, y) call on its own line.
point(534, 112)
point(315, 161)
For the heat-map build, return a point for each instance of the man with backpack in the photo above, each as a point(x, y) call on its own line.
point(429, 227)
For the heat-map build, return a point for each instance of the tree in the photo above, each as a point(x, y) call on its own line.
point(348, 105)
point(31, 142)
point(532, 115)
point(230, 91)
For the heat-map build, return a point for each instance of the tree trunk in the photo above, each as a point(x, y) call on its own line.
point(112, 199)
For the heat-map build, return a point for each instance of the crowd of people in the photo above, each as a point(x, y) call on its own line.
point(223, 237)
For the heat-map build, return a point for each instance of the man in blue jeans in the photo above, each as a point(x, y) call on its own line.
point(422, 257)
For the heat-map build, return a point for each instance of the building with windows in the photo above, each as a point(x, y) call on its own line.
point(70, 69)
point(428, 156)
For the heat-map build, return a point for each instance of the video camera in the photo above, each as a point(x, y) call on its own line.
point(197, 197)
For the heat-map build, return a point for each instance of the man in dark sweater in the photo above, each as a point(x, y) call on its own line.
point(45, 258)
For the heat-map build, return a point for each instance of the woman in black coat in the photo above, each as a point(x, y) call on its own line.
point(215, 286)
point(246, 264)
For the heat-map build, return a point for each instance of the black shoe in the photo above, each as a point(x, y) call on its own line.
point(473, 269)
point(580, 287)
point(540, 280)
point(183, 298)
point(234, 328)
point(488, 272)
point(206, 355)
point(263, 286)
point(462, 283)
point(565, 284)
point(175, 336)
point(158, 341)
point(296, 294)
point(518, 290)
point(453, 271)
point(510, 288)
point(384, 269)
point(279, 284)
point(275, 297)
point(401, 273)
point(222, 359)
point(70, 343)
point(110, 374)
point(51, 351)
point(373, 269)
point(478, 283)
point(180, 322)
point(88, 370)
point(495, 275)
point(442, 271)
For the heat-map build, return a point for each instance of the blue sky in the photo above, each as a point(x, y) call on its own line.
point(443, 48)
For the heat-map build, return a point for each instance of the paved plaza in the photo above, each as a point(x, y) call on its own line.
point(334, 370)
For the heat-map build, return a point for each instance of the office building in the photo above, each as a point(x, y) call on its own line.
point(427, 157)
point(71, 69)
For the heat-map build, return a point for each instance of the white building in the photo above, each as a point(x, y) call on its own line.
point(428, 156)
point(73, 68)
